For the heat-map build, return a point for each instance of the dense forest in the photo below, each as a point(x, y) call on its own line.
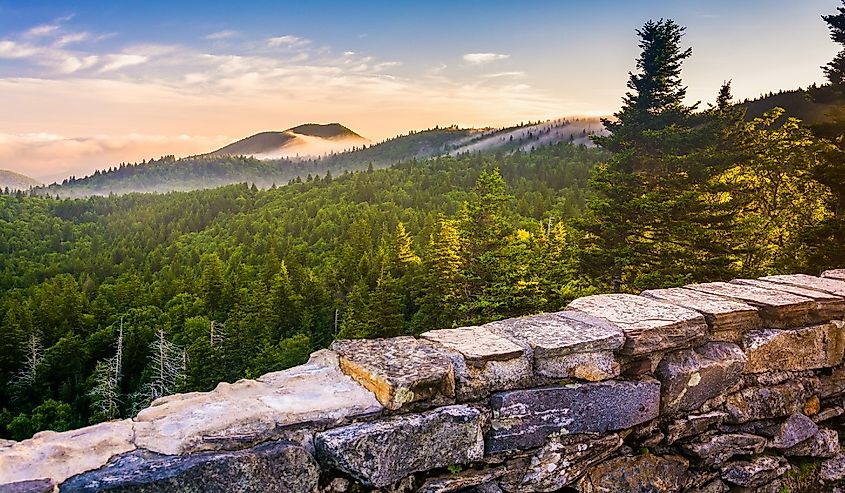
point(110, 302)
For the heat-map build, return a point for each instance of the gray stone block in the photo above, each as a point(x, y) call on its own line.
point(828, 306)
point(825, 284)
point(279, 467)
point(723, 315)
point(566, 344)
point(641, 473)
point(382, 452)
point(565, 458)
point(808, 348)
point(756, 403)
point(399, 371)
point(793, 431)
point(690, 378)
point(716, 449)
point(777, 309)
point(522, 419)
point(838, 274)
point(754, 473)
point(649, 325)
point(483, 361)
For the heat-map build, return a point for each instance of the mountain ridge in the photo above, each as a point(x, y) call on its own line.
point(301, 140)
point(16, 181)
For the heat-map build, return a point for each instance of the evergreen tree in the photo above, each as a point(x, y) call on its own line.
point(444, 279)
point(835, 69)
point(652, 221)
point(825, 241)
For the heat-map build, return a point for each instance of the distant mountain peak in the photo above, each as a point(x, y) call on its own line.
point(325, 131)
point(16, 181)
point(307, 139)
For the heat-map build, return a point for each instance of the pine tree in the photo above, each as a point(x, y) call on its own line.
point(825, 241)
point(652, 220)
point(404, 247)
point(444, 283)
point(835, 69)
point(212, 284)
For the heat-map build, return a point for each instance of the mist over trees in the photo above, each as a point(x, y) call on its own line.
point(110, 302)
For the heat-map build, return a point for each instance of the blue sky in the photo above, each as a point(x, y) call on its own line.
point(87, 83)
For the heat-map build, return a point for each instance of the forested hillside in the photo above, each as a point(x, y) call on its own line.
point(238, 281)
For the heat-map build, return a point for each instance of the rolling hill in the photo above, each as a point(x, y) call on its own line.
point(310, 139)
point(254, 159)
point(16, 181)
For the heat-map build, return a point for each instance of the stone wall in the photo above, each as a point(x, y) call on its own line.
point(714, 387)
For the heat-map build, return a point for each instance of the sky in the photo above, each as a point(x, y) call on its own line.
point(85, 85)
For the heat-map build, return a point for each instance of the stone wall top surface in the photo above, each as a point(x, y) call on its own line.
point(722, 314)
point(778, 309)
point(648, 325)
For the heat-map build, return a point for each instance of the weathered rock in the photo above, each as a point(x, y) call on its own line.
point(399, 371)
point(383, 452)
point(723, 315)
point(276, 466)
point(828, 306)
point(715, 486)
point(827, 285)
point(643, 473)
point(768, 378)
point(833, 469)
point(825, 443)
point(462, 480)
point(716, 449)
point(238, 415)
point(757, 403)
point(6, 443)
point(818, 346)
point(31, 486)
point(828, 413)
point(838, 274)
point(522, 419)
point(58, 456)
point(564, 458)
point(793, 431)
point(483, 361)
point(689, 378)
point(832, 384)
point(693, 425)
point(777, 309)
point(756, 472)
point(566, 344)
point(648, 325)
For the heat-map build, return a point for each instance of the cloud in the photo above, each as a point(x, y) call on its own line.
point(220, 35)
point(43, 30)
point(122, 60)
point(508, 75)
point(71, 38)
point(481, 58)
point(286, 40)
point(12, 50)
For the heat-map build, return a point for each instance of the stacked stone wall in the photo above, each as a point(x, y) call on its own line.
point(709, 388)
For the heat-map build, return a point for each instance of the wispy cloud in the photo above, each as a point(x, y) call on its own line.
point(220, 35)
point(287, 40)
point(42, 30)
point(482, 58)
point(122, 60)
